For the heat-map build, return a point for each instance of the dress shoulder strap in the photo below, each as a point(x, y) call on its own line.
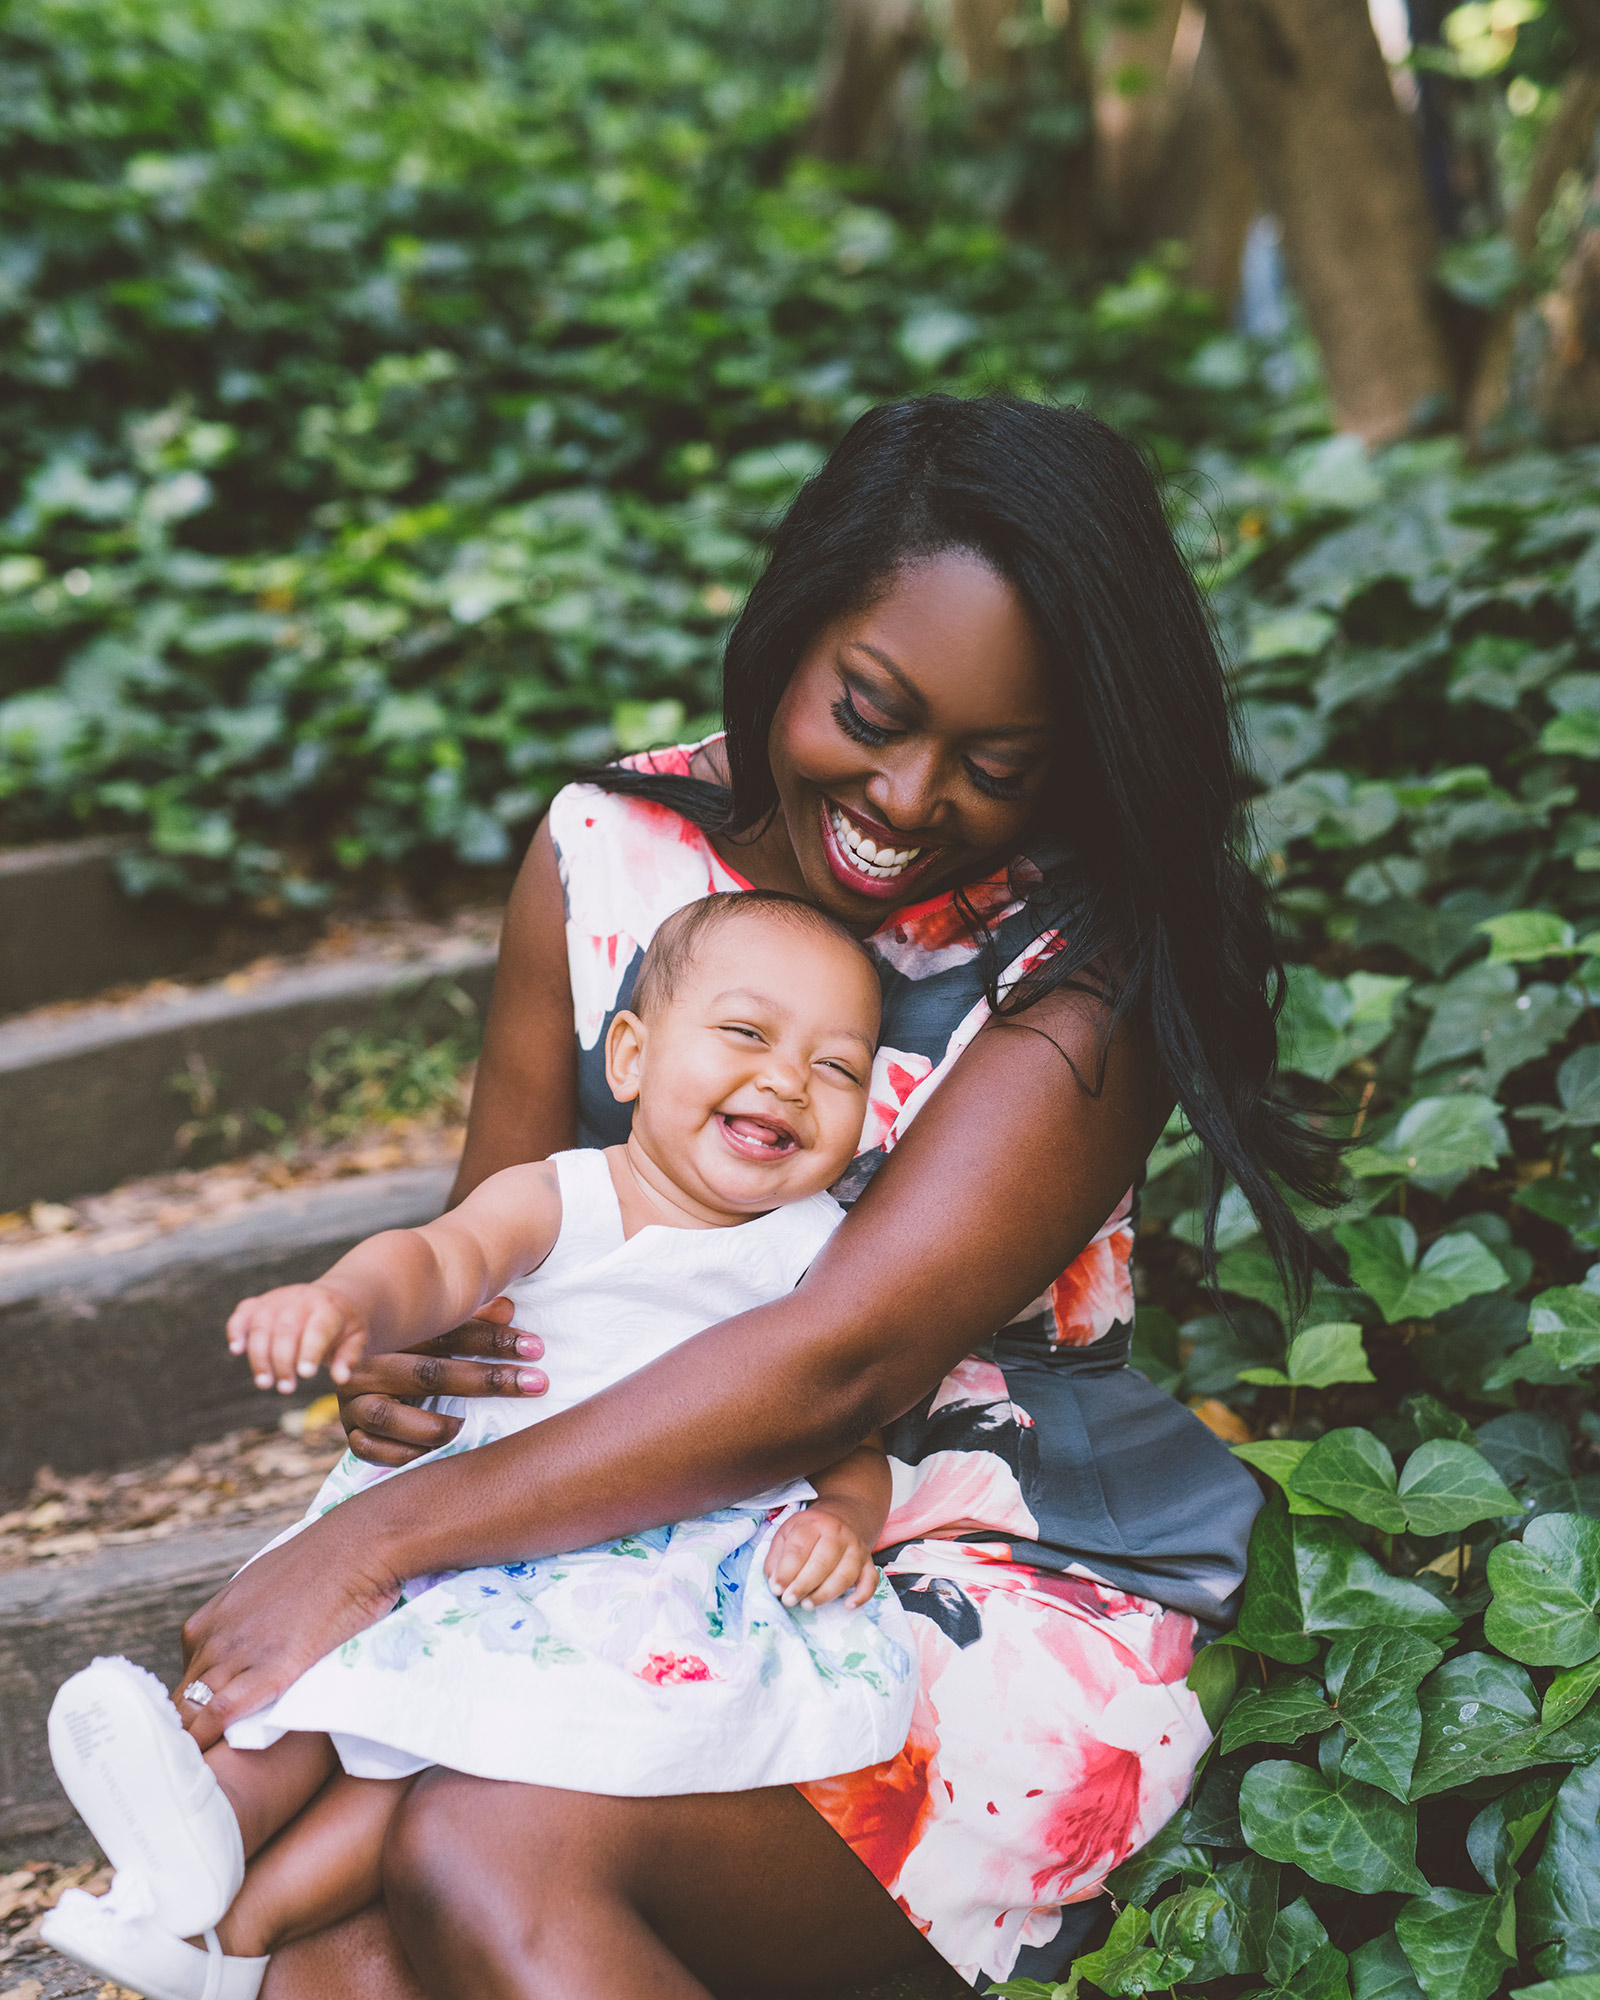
point(591, 1216)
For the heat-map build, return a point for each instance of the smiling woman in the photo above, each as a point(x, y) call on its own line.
point(975, 715)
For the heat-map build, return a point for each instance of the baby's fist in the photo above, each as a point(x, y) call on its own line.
point(289, 1333)
point(817, 1556)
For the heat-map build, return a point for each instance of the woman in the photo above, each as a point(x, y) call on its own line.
point(975, 710)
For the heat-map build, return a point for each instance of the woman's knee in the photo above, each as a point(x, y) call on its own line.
point(428, 1847)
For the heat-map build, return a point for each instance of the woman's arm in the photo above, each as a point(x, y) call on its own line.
point(1004, 1177)
point(525, 1102)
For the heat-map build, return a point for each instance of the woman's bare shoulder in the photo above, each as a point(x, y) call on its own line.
point(710, 762)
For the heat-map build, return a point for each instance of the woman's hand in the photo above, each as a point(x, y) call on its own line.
point(377, 1406)
point(245, 1649)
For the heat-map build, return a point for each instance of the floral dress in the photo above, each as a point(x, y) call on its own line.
point(1062, 1532)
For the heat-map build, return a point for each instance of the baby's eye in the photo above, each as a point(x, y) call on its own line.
point(737, 1028)
point(840, 1069)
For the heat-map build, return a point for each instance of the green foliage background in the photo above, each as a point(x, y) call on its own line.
point(395, 400)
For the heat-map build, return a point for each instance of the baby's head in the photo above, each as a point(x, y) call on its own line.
point(747, 1050)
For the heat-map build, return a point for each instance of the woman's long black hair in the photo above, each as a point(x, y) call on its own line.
point(1145, 802)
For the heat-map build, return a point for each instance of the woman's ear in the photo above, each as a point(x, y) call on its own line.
point(625, 1040)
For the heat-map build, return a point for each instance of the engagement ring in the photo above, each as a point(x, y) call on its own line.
point(198, 1693)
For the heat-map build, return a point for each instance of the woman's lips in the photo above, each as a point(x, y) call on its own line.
point(754, 1138)
point(843, 839)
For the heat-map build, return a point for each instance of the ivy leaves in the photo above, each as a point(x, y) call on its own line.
point(1337, 1829)
point(1546, 1607)
point(1446, 1485)
point(1384, 1262)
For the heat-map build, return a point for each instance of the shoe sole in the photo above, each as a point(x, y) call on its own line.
point(119, 1751)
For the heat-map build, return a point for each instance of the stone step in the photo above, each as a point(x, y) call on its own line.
point(68, 928)
point(55, 1617)
point(113, 1356)
point(91, 1096)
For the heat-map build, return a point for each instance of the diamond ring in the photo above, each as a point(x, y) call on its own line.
point(198, 1693)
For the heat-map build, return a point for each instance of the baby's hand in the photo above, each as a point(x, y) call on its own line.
point(817, 1556)
point(290, 1332)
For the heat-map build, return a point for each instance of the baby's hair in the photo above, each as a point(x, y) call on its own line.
point(671, 951)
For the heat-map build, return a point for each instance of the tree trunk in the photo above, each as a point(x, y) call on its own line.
point(1567, 392)
point(1141, 82)
point(1338, 165)
point(1202, 192)
point(1017, 60)
point(860, 113)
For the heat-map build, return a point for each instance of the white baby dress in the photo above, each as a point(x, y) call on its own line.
point(661, 1663)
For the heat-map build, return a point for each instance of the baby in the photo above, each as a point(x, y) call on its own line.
point(753, 1646)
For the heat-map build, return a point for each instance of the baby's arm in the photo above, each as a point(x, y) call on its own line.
point(820, 1554)
point(404, 1285)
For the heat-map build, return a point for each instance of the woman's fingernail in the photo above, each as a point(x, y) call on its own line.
point(530, 1346)
point(532, 1383)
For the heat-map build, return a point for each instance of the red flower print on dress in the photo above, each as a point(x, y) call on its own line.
point(930, 937)
point(1090, 1830)
point(1095, 1292)
point(955, 1492)
point(882, 1812)
point(895, 1074)
point(626, 865)
point(670, 1669)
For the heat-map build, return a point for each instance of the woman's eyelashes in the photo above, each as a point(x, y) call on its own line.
point(855, 724)
point(992, 787)
point(863, 730)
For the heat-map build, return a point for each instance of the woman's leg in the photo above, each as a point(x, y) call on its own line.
point(514, 1892)
point(357, 1960)
point(323, 1866)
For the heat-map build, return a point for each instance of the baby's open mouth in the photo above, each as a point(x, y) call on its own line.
point(753, 1137)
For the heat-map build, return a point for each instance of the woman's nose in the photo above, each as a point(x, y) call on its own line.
point(905, 793)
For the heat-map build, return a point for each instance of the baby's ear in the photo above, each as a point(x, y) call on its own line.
point(625, 1040)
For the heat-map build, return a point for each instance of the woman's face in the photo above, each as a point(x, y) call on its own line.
point(913, 741)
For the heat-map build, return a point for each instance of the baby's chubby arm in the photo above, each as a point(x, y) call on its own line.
point(403, 1285)
point(820, 1554)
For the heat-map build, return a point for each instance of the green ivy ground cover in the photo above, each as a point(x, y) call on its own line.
point(395, 399)
point(1405, 1793)
point(396, 394)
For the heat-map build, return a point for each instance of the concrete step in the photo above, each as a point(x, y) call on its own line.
point(55, 1617)
point(68, 928)
point(93, 1095)
point(110, 1357)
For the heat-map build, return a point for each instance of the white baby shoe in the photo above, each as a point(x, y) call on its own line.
point(146, 1793)
point(116, 1936)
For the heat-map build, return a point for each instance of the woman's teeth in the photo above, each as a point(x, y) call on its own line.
point(871, 859)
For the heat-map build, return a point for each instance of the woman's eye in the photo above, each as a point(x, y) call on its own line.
point(994, 787)
point(854, 723)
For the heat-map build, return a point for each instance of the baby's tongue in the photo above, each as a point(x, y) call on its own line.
point(758, 1133)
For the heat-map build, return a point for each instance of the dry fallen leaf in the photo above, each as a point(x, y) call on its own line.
point(1451, 1565)
point(1221, 1421)
point(30, 1989)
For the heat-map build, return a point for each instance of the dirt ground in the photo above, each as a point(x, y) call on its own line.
point(234, 1477)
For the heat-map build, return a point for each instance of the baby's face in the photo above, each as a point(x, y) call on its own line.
point(752, 1080)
